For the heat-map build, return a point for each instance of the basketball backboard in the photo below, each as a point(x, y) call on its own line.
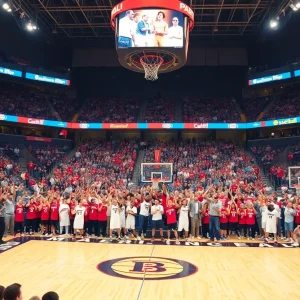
point(294, 177)
point(160, 171)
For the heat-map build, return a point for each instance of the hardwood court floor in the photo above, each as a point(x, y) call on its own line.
point(70, 269)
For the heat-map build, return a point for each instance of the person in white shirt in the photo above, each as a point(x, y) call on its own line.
point(131, 212)
point(175, 34)
point(17, 151)
point(278, 210)
point(77, 155)
point(184, 219)
point(271, 223)
point(157, 211)
point(264, 216)
point(79, 213)
point(127, 30)
point(186, 175)
point(64, 216)
point(146, 199)
point(115, 221)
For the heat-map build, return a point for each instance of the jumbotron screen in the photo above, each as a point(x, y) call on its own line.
point(150, 28)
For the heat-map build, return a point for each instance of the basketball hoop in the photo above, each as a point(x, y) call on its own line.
point(151, 64)
point(155, 182)
point(297, 187)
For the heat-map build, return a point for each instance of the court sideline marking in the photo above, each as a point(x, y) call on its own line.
point(142, 284)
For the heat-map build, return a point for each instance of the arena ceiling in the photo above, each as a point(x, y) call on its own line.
point(82, 19)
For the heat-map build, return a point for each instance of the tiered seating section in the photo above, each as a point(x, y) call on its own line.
point(160, 110)
point(210, 110)
point(201, 162)
point(285, 106)
point(254, 106)
point(101, 164)
point(24, 103)
point(110, 110)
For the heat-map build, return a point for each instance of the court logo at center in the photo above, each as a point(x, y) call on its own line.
point(147, 268)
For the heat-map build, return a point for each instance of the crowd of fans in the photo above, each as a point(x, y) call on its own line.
point(204, 162)
point(114, 110)
point(65, 107)
point(9, 168)
point(47, 156)
point(13, 152)
point(294, 155)
point(285, 106)
point(160, 110)
point(210, 110)
point(99, 163)
point(22, 102)
point(253, 107)
point(207, 174)
point(265, 156)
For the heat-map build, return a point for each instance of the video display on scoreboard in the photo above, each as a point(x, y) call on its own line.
point(150, 28)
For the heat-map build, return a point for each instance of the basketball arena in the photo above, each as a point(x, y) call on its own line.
point(149, 149)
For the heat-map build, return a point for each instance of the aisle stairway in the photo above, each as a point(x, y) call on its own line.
point(179, 110)
point(267, 107)
point(25, 158)
point(52, 109)
point(142, 110)
point(264, 176)
point(137, 169)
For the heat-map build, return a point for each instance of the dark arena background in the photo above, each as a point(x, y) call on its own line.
point(149, 147)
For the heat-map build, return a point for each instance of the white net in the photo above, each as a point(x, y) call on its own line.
point(151, 64)
point(155, 183)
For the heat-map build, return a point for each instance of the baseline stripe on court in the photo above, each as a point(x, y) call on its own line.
point(19, 241)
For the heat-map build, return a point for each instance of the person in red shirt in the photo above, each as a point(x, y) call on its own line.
point(26, 176)
point(280, 174)
point(38, 214)
point(44, 209)
point(102, 219)
point(273, 170)
point(32, 183)
point(54, 216)
point(202, 176)
point(242, 220)
point(30, 167)
point(297, 209)
point(233, 218)
point(250, 220)
point(19, 218)
point(192, 175)
point(205, 221)
point(171, 213)
point(93, 216)
point(234, 188)
point(30, 217)
point(223, 221)
point(164, 203)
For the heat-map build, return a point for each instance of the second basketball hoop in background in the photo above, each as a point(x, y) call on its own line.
point(152, 37)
